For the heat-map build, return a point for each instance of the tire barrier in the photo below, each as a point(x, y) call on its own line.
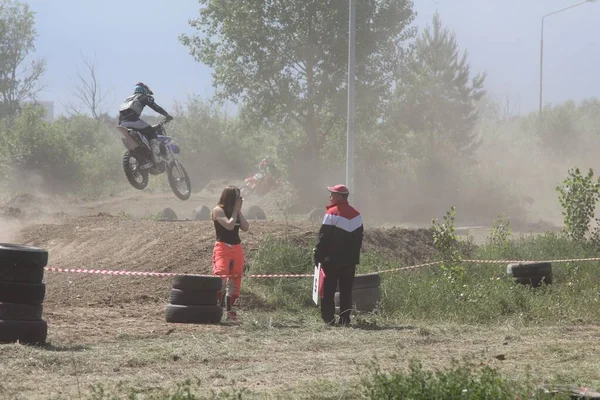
point(22, 294)
point(194, 300)
point(255, 212)
point(533, 274)
point(202, 213)
point(168, 214)
point(366, 293)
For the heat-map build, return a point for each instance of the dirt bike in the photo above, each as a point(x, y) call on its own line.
point(259, 184)
point(139, 153)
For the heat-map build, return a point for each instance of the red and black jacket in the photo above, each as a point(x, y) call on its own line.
point(340, 236)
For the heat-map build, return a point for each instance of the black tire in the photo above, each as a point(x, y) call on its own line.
point(255, 212)
point(28, 332)
point(366, 281)
point(22, 293)
point(203, 283)
point(20, 312)
point(529, 269)
point(21, 273)
point(168, 214)
point(202, 214)
point(316, 215)
point(173, 182)
point(137, 178)
point(193, 297)
point(363, 299)
point(194, 314)
point(535, 281)
point(18, 255)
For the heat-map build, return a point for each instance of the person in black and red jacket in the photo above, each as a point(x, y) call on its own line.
point(338, 251)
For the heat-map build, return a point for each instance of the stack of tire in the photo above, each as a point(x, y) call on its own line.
point(366, 293)
point(194, 300)
point(531, 274)
point(22, 294)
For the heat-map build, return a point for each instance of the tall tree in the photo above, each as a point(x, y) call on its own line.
point(286, 61)
point(17, 42)
point(437, 99)
point(88, 92)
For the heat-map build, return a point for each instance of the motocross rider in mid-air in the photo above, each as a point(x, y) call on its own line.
point(129, 117)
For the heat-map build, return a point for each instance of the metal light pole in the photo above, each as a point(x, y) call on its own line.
point(350, 118)
point(542, 47)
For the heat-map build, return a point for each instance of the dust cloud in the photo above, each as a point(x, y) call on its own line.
point(9, 230)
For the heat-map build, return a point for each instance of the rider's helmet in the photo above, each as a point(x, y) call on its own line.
point(267, 161)
point(142, 88)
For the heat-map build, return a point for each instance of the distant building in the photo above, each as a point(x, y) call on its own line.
point(47, 105)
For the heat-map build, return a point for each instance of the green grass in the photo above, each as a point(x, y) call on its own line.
point(277, 256)
point(278, 355)
point(462, 381)
point(485, 294)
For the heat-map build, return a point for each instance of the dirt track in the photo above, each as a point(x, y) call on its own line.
point(101, 327)
point(118, 243)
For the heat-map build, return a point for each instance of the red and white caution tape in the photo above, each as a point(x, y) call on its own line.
point(411, 267)
point(110, 272)
point(530, 261)
point(171, 274)
point(163, 274)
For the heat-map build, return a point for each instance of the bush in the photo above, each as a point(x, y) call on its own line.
point(71, 155)
point(460, 381)
point(215, 145)
point(447, 245)
point(578, 196)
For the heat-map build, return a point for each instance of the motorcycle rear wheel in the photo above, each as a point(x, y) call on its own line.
point(176, 181)
point(131, 166)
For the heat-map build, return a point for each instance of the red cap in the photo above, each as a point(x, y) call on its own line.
point(341, 189)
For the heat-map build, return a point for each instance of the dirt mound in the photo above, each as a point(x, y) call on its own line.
point(11, 212)
point(117, 243)
point(32, 207)
point(22, 200)
point(408, 245)
point(20, 206)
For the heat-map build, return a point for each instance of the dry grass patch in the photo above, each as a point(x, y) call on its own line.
point(274, 355)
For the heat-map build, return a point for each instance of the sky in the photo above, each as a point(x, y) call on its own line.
point(137, 40)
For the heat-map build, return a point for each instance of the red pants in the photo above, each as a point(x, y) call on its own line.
point(229, 260)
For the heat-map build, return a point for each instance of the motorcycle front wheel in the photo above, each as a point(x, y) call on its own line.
point(179, 180)
point(131, 166)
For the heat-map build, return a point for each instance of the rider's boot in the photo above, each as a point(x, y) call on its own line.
point(155, 147)
point(232, 306)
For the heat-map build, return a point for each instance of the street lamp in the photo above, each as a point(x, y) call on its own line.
point(542, 45)
point(350, 117)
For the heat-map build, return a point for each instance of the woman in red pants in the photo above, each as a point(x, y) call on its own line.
point(228, 255)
